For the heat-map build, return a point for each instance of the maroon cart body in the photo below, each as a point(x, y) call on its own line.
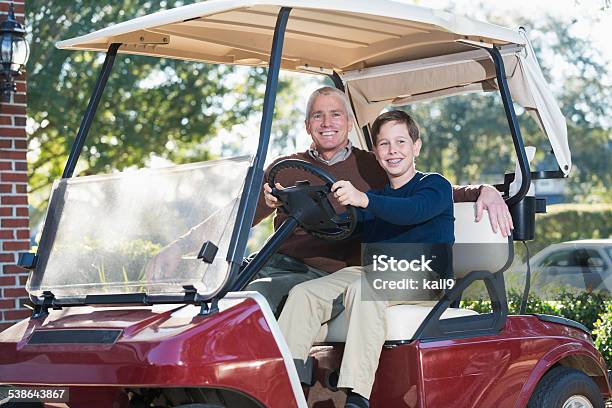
point(235, 349)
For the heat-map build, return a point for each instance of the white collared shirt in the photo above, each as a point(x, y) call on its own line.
point(340, 156)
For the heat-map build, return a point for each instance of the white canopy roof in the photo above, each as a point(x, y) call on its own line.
point(414, 52)
point(338, 35)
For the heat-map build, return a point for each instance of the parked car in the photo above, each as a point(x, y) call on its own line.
point(575, 265)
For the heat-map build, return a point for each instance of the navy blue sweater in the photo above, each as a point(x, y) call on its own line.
point(421, 211)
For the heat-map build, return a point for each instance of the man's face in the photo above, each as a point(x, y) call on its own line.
point(328, 124)
point(395, 149)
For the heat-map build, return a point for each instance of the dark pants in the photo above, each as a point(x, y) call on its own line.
point(279, 276)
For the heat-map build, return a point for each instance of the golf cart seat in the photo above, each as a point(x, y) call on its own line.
point(476, 248)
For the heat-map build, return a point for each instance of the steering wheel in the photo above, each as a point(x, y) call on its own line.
point(309, 205)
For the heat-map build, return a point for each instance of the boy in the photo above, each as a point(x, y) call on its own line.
point(413, 207)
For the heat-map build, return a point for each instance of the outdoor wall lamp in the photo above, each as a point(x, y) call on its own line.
point(14, 51)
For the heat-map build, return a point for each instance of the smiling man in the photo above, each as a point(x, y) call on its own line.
point(303, 257)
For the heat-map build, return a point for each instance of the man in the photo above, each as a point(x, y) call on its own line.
point(303, 257)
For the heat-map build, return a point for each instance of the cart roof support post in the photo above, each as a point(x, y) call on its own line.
point(255, 175)
point(515, 129)
point(77, 146)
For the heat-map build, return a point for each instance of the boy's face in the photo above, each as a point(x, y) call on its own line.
point(395, 150)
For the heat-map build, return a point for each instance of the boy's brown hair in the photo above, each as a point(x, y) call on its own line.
point(398, 117)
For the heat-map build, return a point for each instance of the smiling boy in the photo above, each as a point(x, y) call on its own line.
point(413, 207)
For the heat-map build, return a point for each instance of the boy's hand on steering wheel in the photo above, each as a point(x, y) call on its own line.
point(347, 194)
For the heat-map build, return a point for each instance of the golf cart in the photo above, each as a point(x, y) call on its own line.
point(118, 337)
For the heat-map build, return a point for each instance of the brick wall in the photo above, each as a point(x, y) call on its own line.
point(14, 231)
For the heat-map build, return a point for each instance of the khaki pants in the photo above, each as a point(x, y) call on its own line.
point(310, 305)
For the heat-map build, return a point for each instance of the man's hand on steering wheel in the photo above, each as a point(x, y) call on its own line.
point(271, 201)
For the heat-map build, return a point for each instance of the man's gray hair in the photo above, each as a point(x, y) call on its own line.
point(328, 90)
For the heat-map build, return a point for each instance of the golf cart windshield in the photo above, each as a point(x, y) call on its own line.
point(103, 231)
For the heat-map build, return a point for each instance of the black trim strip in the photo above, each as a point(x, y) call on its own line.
point(80, 336)
point(335, 78)
point(563, 321)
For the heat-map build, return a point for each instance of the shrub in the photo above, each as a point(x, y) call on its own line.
point(477, 305)
point(603, 334)
point(94, 261)
point(584, 307)
point(534, 304)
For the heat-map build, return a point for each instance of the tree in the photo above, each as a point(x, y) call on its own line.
point(164, 107)
point(586, 102)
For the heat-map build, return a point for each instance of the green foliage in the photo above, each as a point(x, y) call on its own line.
point(582, 307)
point(479, 305)
point(566, 222)
point(93, 261)
point(534, 304)
point(603, 334)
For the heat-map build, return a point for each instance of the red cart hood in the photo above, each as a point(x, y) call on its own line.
point(161, 345)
